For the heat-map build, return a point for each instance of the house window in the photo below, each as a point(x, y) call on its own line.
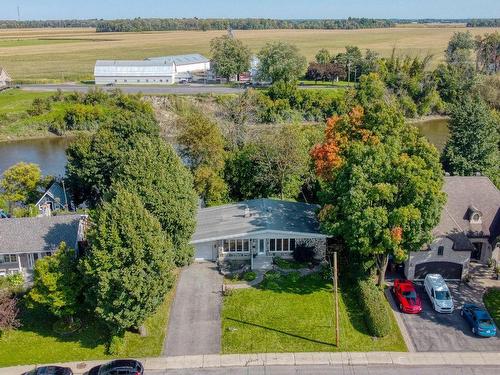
point(282, 244)
point(8, 258)
point(440, 250)
point(232, 246)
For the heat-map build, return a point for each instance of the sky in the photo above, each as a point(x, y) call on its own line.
point(111, 9)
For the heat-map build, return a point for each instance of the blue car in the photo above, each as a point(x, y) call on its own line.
point(479, 320)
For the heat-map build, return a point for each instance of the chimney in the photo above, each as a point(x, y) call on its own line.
point(247, 212)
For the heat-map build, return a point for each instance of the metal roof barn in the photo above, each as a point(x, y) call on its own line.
point(155, 70)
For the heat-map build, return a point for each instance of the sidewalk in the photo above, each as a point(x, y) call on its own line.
point(298, 359)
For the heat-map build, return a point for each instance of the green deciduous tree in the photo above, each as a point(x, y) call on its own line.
point(202, 144)
point(323, 56)
point(230, 56)
point(127, 269)
point(473, 144)
point(273, 163)
point(20, 182)
point(57, 283)
point(281, 61)
point(381, 184)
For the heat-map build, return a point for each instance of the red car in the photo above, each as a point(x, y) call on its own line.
point(406, 297)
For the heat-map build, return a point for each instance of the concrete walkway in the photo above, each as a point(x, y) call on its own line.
point(195, 324)
point(294, 359)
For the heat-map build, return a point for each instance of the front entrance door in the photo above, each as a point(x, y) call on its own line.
point(476, 253)
point(262, 247)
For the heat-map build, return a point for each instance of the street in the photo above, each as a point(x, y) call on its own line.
point(191, 89)
point(338, 370)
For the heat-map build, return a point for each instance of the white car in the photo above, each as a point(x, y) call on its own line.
point(439, 294)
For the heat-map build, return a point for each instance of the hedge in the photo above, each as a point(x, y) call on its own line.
point(375, 308)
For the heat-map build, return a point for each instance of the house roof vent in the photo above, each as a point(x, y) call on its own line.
point(247, 212)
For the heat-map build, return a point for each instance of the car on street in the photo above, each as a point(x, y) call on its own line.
point(438, 293)
point(479, 320)
point(119, 367)
point(50, 370)
point(406, 297)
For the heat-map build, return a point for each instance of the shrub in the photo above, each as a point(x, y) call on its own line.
point(116, 345)
point(375, 308)
point(303, 254)
point(8, 312)
point(293, 277)
point(16, 280)
point(39, 106)
point(250, 276)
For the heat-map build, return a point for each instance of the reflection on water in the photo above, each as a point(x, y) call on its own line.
point(48, 153)
point(436, 131)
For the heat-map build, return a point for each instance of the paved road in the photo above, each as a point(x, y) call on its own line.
point(339, 370)
point(434, 332)
point(195, 324)
point(191, 89)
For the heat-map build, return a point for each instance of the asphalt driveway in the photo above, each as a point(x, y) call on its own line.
point(195, 326)
point(433, 332)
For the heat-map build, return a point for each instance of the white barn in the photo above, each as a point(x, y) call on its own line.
point(163, 70)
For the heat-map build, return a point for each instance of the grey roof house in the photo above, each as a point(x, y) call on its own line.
point(256, 230)
point(54, 199)
point(25, 240)
point(467, 231)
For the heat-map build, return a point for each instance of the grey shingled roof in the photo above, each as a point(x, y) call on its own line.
point(265, 215)
point(463, 193)
point(37, 234)
point(55, 191)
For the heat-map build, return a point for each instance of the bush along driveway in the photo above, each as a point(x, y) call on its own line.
point(290, 313)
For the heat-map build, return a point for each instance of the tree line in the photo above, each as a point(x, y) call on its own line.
point(169, 24)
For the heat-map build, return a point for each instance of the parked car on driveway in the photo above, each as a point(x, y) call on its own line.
point(118, 367)
point(479, 320)
point(406, 297)
point(439, 294)
point(50, 370)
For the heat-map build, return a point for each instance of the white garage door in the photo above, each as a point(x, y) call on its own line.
point(204, 251)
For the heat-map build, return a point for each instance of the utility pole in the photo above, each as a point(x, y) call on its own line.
point(335, 286)
point(333, 268)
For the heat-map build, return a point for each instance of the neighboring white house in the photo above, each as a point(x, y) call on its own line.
point(152, 71)
point(4, 78)
point(25, 240)
point(256, 230)
point(469, 230)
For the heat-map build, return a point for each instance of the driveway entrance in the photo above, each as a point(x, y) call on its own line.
point(195, 325)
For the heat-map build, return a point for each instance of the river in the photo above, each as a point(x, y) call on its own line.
point(49, 153)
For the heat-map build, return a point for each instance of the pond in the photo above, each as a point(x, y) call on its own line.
point(49, 153)
point(435, 130)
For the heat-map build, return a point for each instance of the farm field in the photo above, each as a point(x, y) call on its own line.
point(55, 55)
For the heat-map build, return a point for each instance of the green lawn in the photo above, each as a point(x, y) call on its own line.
point(35, 342)
point(297, 315)
point(492, 303)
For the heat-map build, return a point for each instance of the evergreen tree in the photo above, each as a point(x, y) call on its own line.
point(127, 269)
point(473, 145)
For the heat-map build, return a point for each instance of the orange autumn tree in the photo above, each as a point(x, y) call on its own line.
point(381, 184)
point(339, 132)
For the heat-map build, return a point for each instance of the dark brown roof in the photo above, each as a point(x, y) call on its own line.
point(467, 195)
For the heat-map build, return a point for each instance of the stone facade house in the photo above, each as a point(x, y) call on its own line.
point(256, 231)
point(468, 231)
